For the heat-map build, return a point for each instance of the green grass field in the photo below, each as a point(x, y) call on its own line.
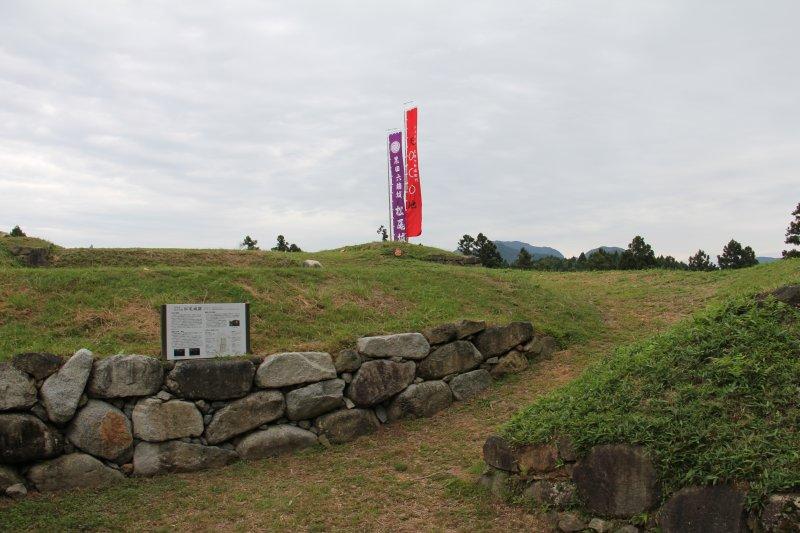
point(410, 476)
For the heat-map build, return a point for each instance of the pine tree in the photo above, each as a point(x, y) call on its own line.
point(17, 232)
point(638, 256)
point(282, 245)
point(383, 233)
point(701, 261)
point(294, 248)
point(524, 259)
point(793, 234)
point(487, 252)
point(249, 243)
point(467, 245)
point(734, 256)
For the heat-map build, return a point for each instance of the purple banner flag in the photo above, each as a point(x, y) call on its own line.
point(397, 186)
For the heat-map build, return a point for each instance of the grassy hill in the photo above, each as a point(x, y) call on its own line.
point(428, 466)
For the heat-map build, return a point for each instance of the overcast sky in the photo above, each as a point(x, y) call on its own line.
point(562, 123)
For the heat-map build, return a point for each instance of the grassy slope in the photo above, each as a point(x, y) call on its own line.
point(410, 476)
point(714, 400)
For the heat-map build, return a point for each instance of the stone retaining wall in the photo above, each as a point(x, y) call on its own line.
point(90, 422)
point(617, 484)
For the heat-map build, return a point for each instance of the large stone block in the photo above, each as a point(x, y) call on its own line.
point(465, 386)
point(465, 328)
point(617, 480)
point(150, 459)
point(453, 358)
point(72, 471)
point(498, 453)
point(513, 363)
point(347, 361)
point(405, 345)
point(17, 389)
point(441, 334)
point(379, 380)
point(717, 509)
point(315, 399)
point(421, 400)
point(274, 441)
point(347, 424)
point(121, 376)
point(497, 340)
point(212, 379)
point(155, 421)
point(293, 368)
point(62, 391)
point(25, 438)
point(245, 414)
point(103, 431)
point(38, 365)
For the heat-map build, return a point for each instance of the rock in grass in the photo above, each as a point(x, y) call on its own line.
point(156, 421)
point(293, 368)
point(103, 431)
point(315, 399)
point(17, 389)
point(274, 441)
point(38, 365)
point(465, 386)
point(122, 376)
point(72, 471)
point(211, 379)
point(346, 425)
point(405, 345)
point(421, 400)
point(16, 491)
point(717, 509)
point(245, 414)
point(62, 391)
point(498, 340)
point(617, 480)
point(25, 438)
point(379, 380)
point(453, 358)
point(150, 459)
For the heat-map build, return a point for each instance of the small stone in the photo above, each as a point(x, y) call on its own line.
point(164, 396)
point(347, 377)
point(127, 469)
point(512, 363)
point(600, 525)
point(17, 389)
point(347, 424)
point(381, 413)
point(203, 406)
point(38, 365)
point(311, 263)
point(84, 399)
point(349, 403)
point(40, 412)
point(17, 491)
point(570, 522)
point(418, 380)
point(405, 345)
point(493, 360)
point(347, 361)
point(323, 440)
point(294, 368)
point(207, 419)
point(305, 424)
point(62, 391)
point(8, 477)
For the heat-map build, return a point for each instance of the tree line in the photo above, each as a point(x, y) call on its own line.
point(249, 243)
point(638, 256)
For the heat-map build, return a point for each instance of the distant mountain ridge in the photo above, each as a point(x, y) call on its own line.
point(509, 250)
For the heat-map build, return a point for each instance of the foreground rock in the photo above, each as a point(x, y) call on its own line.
point(513, 363)
point(62, 391)
point(453, 358)
point(122, 376)
point(243, 415)
point(499, 339)
point(498, 453)
point(211, 379)
point(465, 386)
point(38, 365)
point(17, 389)
point(717, 509)
point(617, 480)
point(405, 345)
point(274, 441)
point(25, 438)
point(293, 368)
point(157, 421)
point(421, 400)
point(103, 431)
point(379, 380)
point(8, 477)
point(150, 459)
point(315, 399)
point(72, 471)
point(347, 424)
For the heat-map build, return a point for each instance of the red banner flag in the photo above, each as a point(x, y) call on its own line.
point(413, 189)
